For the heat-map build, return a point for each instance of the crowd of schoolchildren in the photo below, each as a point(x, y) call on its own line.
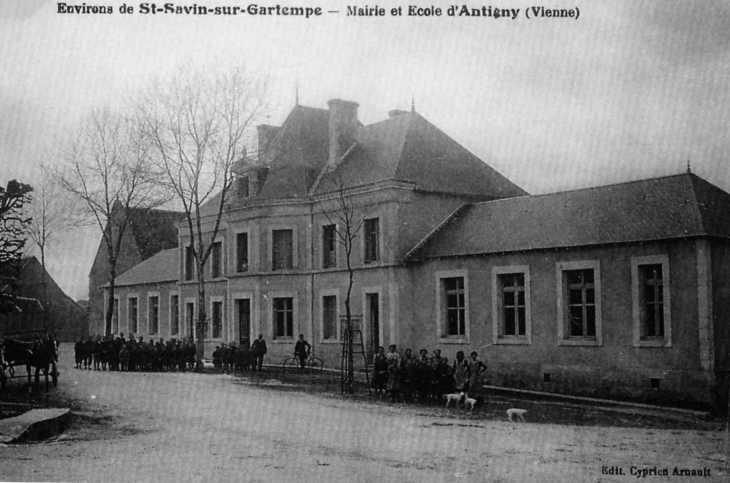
point(425, 377)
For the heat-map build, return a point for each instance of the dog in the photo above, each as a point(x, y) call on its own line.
point(520, 413)
point(470, 402)
point(453, 397)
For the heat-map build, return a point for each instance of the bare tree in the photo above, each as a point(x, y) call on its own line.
point(107, 168)
point(347, 216)
point(52, 211)
point(199, 122)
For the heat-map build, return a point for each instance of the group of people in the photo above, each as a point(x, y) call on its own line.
point(425, 377)
point(122, 354)
point(406, 377)
point(240, 358)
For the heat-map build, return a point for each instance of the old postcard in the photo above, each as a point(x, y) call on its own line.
point(393, 241)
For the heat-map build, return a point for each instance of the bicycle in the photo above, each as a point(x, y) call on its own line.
point(311, 364)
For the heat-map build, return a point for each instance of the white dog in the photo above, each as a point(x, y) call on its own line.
point(453, 397)
point(520, 413)
point(470, 402)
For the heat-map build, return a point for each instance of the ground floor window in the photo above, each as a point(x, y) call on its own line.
point(452, 306)
point(329, 317)
point(511, 304)
point(133, 315)
point(174, 315)
point(580, 314)
point(283, 317)
point(651, 301)
point(153, 320)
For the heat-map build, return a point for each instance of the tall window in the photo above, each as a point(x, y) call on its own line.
point(455, 306)
point(329, 245)
point(581, 302)
point(154, 314)
point(652, 300)
point(217, 260)
point(174, 315)
point(242, 252)
point(217, 320)
point(282, 249)
point(133, 314)
point(283, 317)
point(514, 314)
point(329, 317)
point(189, 263)
point(371, 229)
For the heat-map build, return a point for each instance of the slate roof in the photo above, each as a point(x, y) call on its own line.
point(410, 149)
point(655, 209)
point(298, 151)
point(404, 148)
point(161, 267)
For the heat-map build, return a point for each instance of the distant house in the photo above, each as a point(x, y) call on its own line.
point(616, 291)
point(40, 309)
point(149, 232)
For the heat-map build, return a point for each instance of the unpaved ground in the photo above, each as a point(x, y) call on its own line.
point(193, 427)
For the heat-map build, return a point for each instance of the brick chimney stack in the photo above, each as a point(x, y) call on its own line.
point(343, 125)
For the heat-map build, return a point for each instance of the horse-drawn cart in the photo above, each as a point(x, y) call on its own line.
point(29, 347)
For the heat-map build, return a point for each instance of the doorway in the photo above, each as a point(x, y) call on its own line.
point(372, 316)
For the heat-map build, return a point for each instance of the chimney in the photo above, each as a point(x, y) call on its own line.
point(266, 135)
point(396, 113)
point(343, 125)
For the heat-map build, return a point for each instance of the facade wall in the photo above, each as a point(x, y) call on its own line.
point(143, 294)
point(720, 261)
point(614, 368)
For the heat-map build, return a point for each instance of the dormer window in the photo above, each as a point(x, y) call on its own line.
point(243, 187)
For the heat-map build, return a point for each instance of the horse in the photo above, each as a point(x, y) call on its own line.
point(42, 354)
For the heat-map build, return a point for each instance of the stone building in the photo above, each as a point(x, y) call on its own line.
point(148, 232)
point(614, 291)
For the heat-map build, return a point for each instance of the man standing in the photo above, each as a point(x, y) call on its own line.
point(259, 351)
point(301, 350)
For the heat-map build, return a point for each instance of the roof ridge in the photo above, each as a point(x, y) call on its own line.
point(621, 183)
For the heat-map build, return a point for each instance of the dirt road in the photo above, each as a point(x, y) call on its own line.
point(193, 427)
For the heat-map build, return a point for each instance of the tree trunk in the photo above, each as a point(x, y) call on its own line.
point(110, 304)
point(350, 341)
point(44, 286)
point(202, 326)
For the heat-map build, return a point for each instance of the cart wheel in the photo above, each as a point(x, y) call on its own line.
point(54, 375)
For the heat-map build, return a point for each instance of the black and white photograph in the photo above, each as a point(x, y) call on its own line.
point(403, 241)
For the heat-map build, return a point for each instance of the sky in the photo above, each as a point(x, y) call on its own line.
point(628, 90)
